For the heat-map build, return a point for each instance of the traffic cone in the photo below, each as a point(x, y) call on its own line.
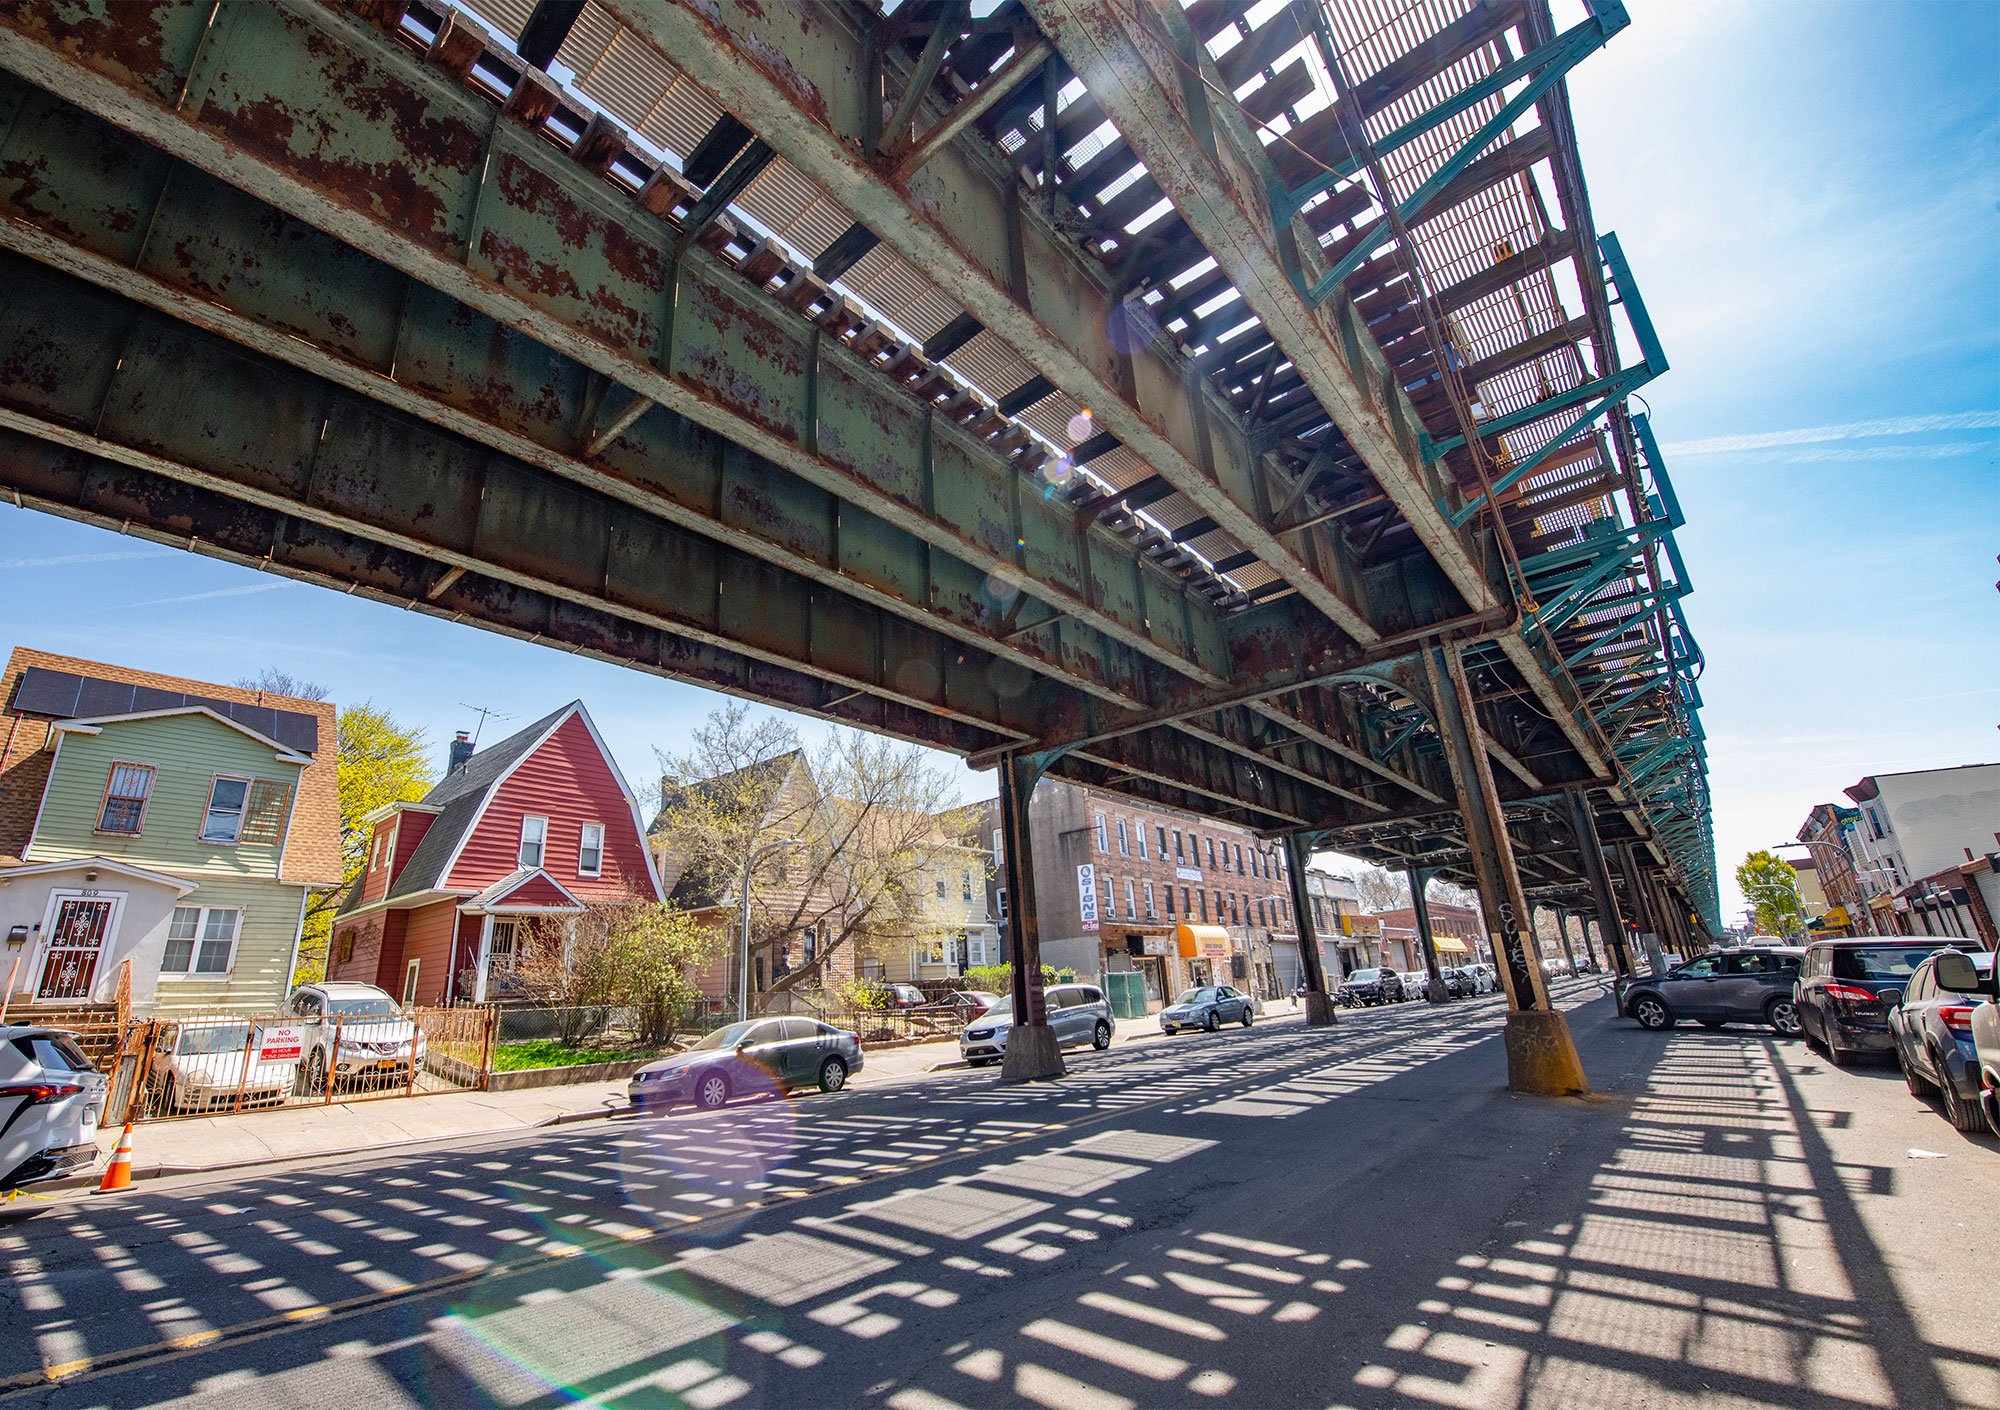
point(118, 1174)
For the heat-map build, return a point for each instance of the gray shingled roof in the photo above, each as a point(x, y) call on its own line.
point(460, 795)
point(768, 775)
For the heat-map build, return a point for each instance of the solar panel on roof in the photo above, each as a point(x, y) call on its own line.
point(65, 695)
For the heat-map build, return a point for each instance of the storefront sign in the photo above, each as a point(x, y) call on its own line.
point(1156, 945)
point(1086, 895)
point(1187, 873)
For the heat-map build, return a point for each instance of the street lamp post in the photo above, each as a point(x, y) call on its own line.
point(743, 899)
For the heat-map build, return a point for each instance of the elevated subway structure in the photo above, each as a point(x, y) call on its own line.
point(1252, 439)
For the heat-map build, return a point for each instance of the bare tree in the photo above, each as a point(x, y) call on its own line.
point(863, 812)
point(1382, 890)
point(273, 680)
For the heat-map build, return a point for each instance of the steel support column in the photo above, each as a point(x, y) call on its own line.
point(1562, 930)
point(1420, 907)
point(1319, 1000)
point(1642, 904)
point(1541, 1055)
point(1610, 925)
point(1032, 1051)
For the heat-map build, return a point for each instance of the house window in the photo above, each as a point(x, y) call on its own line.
point(1150, 911)
point(1000, 902)
point(125, 795)
point(1103, 842)
point(996, 844)
point(965, 886)
point(981, 949)
point(1261, 919)
point(1187, 905)
point(1211, 853)
point(410, 983)
point(940, 888)
point(375, 857)
point(590, 852)
point(264, 817)
point(1131, 904)
point(226, 800)
point(534, 834)
point(1140, 828)
point(1110, 905)
point(1179, 854)
point(1162, 833)
point(201, 940)
point(1170, 901)
point(343, 950)
point(1124, 842)
point(1239, 859)
point(1202, 896)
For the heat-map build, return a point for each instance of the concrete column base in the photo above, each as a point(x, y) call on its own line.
point(1541, 1056)
point(1319, 1010)
point(1437, 991)
point(1033, 1055)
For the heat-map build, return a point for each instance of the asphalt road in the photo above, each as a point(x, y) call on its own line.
point(1268, 1218)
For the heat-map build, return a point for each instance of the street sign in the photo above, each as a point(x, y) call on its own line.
point(286, 1044)
point(1086, 895)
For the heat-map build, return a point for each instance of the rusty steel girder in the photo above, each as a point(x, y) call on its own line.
point(495, 209)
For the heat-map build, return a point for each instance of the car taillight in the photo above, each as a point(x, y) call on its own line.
point(1849, 993)
point(38, 1093)
point(1956, 1016)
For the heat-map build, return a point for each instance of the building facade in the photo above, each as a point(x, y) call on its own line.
point(1832, 848)
point(1123, 886)
point(1928, 834)
point(1457, 930)
point(158, 836)
point(516, 838)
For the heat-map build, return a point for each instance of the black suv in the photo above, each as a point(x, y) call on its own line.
point(1847, 988)
point(1751, 985)
point(1372, 986)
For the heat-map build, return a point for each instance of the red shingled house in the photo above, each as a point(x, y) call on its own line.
point(539, 825)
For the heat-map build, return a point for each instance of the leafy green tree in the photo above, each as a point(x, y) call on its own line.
point(381, 761)
point(1771, 887)
point(654, 950)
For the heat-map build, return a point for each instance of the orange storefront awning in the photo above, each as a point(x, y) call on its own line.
point(1203, 942)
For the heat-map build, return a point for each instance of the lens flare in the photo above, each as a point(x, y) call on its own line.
point(1079, 426)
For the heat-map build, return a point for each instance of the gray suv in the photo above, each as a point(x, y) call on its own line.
point(1752, 985)
point(1078, 1013)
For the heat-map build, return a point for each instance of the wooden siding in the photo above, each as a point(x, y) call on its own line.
point(568, 781)
point(188, 751)
point(535, 891)
point(400, 835)
point(312, 852)
point(427, 937)
point(261, 973)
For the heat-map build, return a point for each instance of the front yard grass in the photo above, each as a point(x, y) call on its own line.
point(553, 1052)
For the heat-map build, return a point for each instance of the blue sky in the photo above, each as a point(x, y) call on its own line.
point(1810, 199)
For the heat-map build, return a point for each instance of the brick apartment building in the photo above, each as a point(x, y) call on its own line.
point(1458, 930)
point(1123, 885)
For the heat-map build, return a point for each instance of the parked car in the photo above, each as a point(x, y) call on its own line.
point(1986, 1051)
point(1461, 983)
point(903, 996)
point(209, 1064)
point(1416, 983)
point(1209, 1007)
point(1932, 1030)
point(1846, 988)
point(967, 1004)
point(1078, 1013)
point(1372, 986)
point(1488, 977)
point(51, 1099)
point(356, 1033)
point(1730, 986)
point(772, 1055)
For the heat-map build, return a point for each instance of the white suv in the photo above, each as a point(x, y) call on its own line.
point(51, 1099)
point(1078, 1013)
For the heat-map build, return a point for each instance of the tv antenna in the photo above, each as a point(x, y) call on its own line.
point(484, 714)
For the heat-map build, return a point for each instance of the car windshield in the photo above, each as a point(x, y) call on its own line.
point(725, 1037)
point(1192, 996)
point(379, 1006)
point(213, 1038)
point(1002, 1007)
point(1896, 962)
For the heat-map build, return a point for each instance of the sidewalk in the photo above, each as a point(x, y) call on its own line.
point(189, 1145)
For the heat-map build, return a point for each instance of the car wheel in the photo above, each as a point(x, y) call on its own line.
point(1962, 1114)
point(1652, 1013)
point(1100, 1036)
point(1246, 1015)
point(1989, 1102)
point(1211, 1023)
point(1919, 1085)
point(1836, 1054)
point(832, 1075)
point(1783, 1015)
point(712, 1092)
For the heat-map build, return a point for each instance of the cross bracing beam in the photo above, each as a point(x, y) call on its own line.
point(827, 399)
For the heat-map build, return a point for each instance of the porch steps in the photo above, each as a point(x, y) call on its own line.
point(95, 1025)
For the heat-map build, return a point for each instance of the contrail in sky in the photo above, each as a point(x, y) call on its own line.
point(1851, 431)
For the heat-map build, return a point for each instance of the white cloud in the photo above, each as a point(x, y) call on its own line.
point(1851, 431)
point(63, 560)
point(244, 591)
